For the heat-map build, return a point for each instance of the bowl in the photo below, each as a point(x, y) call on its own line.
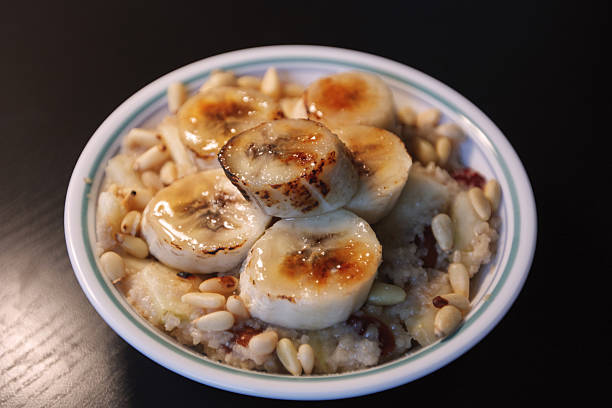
point(486, 150)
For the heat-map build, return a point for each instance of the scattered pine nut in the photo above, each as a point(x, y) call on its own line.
point(219, 78)
point(424, 151)
point(306, 357)
point(177, 95)
point(492, 191)
point(133, 245)
point(442, 228)
point(215, 321)
point(169, 132)
point(287, 354)
point(235, 306)
point(113, 266)
point(481, 204)
point(407, 116)
point(263, 343)
point(137, 198)
point(447, 320)
point(428, 118)
point(384, 294)
point(443, 149)
point(141, 138)
point(270, 84)
point(168, 173)
point(131, 223)
point(459, 279)
point(204, 300)
point(288, 105)
point(299, 110)
point(224, 285)
point(152, 158)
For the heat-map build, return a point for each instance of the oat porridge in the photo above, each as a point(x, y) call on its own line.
point(296, 229)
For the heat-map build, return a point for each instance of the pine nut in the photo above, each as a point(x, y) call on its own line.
point(384, 294)
point(219, 78)
point(443, 149)
point(137, 198)
point(204, 300)
point(407, 116)
point(142, 138)
point(299, 110)
point(306, 357)
point(224, 285)
point(293, 90)
point(168, 173)
point(235, 306)
point(287, 354)
point(424, 151)
point(177, 95)
point(454, 299)
point(447, 320)
point(288, 105)
point(113, 266)
point(450, 130)
point(442, 228)
point(459, 279)
point(215, 321)
point(428, 118)
point(151, 180)
point(185, 163)
point(131, 223)
point(152, 158)
point(141, 198)
point(481, 204)
point(133, 245)
point(270, 84)
point(263, 343)
point(492, 191)
point(248, 81)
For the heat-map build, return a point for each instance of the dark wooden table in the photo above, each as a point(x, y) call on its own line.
point(535, 69)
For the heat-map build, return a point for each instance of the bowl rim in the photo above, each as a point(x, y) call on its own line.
point(162, 349)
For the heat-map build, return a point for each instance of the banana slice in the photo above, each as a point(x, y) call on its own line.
point(291, 168)
point(383, 165)
point(351, 98)
point(310, 273)
point(201, 224)
point(207, 120)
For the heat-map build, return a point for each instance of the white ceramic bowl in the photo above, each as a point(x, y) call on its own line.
point(487, 150)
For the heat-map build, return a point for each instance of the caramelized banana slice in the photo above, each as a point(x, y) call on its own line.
point(291, 168)
point(207, 120)
point(310, 273)
point(351, 98)
point(383, 165)
point(201, 224)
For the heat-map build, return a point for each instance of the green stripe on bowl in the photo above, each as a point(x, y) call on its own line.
point(201, 359)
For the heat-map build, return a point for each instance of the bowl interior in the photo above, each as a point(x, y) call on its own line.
point(479, 151)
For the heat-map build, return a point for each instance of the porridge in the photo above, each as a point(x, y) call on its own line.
point(298, 230)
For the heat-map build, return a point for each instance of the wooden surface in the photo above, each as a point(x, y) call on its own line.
point(533, 68)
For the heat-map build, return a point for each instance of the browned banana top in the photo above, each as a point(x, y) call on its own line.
point(210, 118)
